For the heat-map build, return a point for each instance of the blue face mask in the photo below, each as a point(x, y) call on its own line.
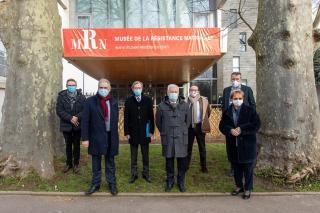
point(103, 92)
point(173, 97)
point(137, 92)
point(72, 89)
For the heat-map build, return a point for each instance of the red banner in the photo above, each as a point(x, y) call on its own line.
point(141, 42)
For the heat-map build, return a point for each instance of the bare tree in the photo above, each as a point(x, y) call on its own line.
point(30, 31)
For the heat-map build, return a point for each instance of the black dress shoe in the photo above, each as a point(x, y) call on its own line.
point(236, 192)
point(181, 187)
point(147, 178)
point(169, 187)
point(246, 195)
point(132, 179)
point(66, 169)
point(76, 169)
point(204, 170)
point(92, 190)
point(113, 190)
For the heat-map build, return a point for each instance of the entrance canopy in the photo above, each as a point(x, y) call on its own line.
point(151, 55)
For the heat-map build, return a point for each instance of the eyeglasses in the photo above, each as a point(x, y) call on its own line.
point(237, 99)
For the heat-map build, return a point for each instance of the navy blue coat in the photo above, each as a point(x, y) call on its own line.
point(93, 127)
point(249, 123)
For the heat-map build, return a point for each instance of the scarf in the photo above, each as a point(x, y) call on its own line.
point(103, 104)
point(72, 97)
point(193, 101)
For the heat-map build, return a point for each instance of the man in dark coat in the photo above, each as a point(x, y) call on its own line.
point(139, 128)
point(239, 124)
point(173, 120)
point(100, 134)
point(69, 109)
point(236, 85)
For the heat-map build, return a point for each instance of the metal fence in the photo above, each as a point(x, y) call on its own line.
point(214, 119)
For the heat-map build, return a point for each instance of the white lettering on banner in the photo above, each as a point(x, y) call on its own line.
point(89, 41)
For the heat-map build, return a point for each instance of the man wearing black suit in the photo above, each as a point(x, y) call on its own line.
point(139, 128)
point(100, 135)
point(226, 97)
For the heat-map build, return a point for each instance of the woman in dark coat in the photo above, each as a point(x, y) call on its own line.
point(239, 123)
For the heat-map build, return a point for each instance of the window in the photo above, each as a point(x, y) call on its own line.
point(84, 6)
point(233, 18)
point(243, 41)
point(236, 64)
point(84, 21)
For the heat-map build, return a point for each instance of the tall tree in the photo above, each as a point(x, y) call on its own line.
point(286, 93)
point(30, 31)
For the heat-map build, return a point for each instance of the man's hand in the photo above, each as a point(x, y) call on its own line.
point(128, 137)
point(85, 144)
point(238, 130)
point(74, 121)
point(151, 136)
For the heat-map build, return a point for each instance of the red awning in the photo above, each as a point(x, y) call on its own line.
point(153, 55)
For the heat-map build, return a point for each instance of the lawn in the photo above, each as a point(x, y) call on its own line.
point(215, 181)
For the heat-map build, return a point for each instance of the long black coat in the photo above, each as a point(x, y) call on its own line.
point(248, 97)
point(249, 124)
point(136, 116)
point(173, 125)
point(94, 127)
point(65, 113)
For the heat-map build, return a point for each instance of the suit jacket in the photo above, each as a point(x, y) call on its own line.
point(248, 97)
point(249, 123)
point(136, 116)
point(94, 127)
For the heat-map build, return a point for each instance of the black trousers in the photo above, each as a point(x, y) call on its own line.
point(243, 171)
point(181, 164)
point(72, 140)
point(110, 170)
point(200, 136)
point(145, 158)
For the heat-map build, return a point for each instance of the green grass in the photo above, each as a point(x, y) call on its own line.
point(215, 181)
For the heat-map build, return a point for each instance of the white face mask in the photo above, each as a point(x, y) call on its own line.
point(236, 83)
point(237, 102)
point(194, 93)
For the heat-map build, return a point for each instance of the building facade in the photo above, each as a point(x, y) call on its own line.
point(150, 14)
point(240, 57)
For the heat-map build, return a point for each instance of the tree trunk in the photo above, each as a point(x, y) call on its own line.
point(30, 31)
point(289, 138)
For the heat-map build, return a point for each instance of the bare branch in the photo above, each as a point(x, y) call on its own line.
point(241, 17)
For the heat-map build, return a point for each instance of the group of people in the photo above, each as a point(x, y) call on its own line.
point(180, 121)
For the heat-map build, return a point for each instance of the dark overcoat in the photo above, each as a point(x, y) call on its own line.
point(65, 113)
point(248, 97)
point(173, 126)
point(249, 123)
point(136, 116)
point(94, 127)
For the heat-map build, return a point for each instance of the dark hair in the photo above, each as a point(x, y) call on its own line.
point(71, 79)
point(236, 73)
point(236, 92)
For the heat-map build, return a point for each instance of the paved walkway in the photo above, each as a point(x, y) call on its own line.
point(219, 204)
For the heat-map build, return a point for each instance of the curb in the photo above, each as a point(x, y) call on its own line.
point(105, 194)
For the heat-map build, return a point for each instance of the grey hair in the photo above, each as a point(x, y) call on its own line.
point(136, 82)
point(104, 80)
point(172, 85)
